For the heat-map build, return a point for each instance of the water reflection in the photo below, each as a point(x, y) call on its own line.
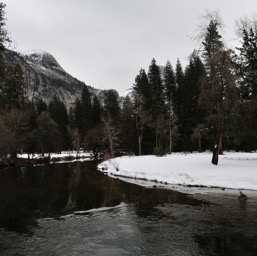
point(54, 190)
point(71, 209)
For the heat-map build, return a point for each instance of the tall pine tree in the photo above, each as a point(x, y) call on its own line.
point(170, 90)
point(59, 114)
point(192, 113)
point(13, 88)
point(142, 103)
point(246, 116)
point(87, 109)
point(96, 112)
point(158, 106)
point(128, 128)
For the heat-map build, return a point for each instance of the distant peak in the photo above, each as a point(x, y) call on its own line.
point(36, 55)
point(35, 51)
point(42, 58)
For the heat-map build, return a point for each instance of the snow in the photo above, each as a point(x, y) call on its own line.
point(75, 156)
point(235, 170)
point(35, 55)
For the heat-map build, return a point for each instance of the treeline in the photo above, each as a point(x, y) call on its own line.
point(211, 104)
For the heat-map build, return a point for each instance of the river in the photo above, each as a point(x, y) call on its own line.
point(71, 209)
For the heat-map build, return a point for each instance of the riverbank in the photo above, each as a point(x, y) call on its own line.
point(234, 171)
point(23, 160)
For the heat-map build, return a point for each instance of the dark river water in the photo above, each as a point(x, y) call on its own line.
point(71, 209)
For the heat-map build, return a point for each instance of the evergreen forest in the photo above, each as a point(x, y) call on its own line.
point(210, 104)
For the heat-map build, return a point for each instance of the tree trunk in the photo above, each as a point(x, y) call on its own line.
point(220, 147)
point(218, 128)
point(109, 133)
point(140, 130)
point(216, 149)
point(161, 133)
point(170, 140)
point(139, 145)
point(156, 133)
point(111, 146)
point(199, 144)
point(215, 155)
point(110, 139)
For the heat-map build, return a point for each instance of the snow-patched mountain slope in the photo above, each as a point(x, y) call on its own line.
point(45, 78)
point(44, 61)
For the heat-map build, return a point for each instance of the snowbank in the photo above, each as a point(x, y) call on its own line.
point(66, 156)
point(235, 170)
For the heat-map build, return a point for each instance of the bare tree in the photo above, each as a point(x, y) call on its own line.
point(173, 130)
point(244, 24)
point(198, 133)
point(141, 120)
point(111, 132)
point(14, 132)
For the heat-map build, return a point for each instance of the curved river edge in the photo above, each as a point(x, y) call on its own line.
point(195, 191)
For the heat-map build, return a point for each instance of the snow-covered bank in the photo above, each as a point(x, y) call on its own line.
point(235, 170)
point(64, 156)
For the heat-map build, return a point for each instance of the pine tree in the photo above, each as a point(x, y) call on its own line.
point(127, 130)
point(155, 83)
point(245, 117)
point(87, 109)
point(141, 98)
point(179, 74)
point(111, 105)
point(59, 114)
point(170, 89)
point(218, 80)
point(111, 118)
point(82, 114)
point(78, 118)
point(48, 134)
point(177, 102)
point(96, 112)
point(13, 91)
point(158, 106)
point(247, 61)
point(169, 83)
point(192, 113)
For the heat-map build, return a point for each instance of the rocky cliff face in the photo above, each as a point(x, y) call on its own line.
point(45, 78)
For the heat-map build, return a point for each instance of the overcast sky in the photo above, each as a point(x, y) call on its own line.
point(105, 42)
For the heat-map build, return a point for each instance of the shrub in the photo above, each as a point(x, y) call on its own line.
point(159, 151)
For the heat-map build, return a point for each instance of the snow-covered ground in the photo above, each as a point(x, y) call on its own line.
point(74, 155)
point(235, 170)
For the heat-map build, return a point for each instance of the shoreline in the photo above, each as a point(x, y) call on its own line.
point(235, 170)
point(25, 160)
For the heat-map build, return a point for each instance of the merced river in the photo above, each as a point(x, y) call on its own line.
point(72, 209)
